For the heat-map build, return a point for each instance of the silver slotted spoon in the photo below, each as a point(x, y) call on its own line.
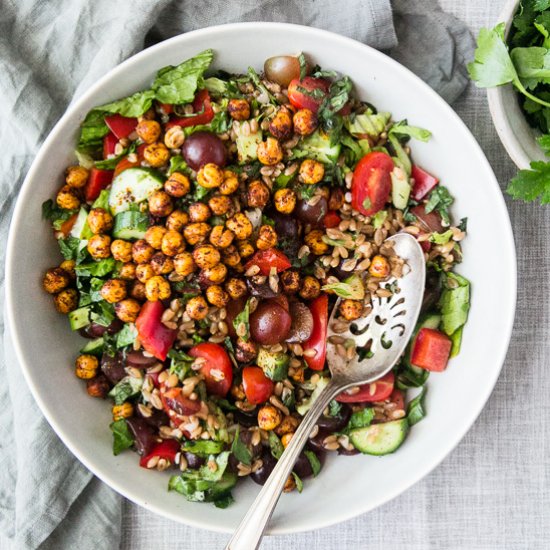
point(385, 332)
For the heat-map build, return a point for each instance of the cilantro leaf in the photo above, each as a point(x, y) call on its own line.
point(529, 185)
point(415, 409)
point(439, 200)
point(240, 450)
point(544, 143)
point(122, 437)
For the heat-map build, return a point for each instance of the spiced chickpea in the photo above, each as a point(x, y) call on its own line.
point(238, 109)
point(67, 199)
point(258, 194)
point(184, 264)
point(127, 271)
point(206, 256)
point(245, 248)
point(99, 221)
point(305, 122)
point(55, 280)
point(177, 220)
point(336, 199)
point(86, 366)
point(217, 296)
point(142, 251)
point(199, 212)
point(98, 386)
point(113, 290)
point(280, 125)
point(314, 239)
point(156, 154)
point(160, 204)
point(162, 264)
point(290, 280)
point(177, 185)
point(148, 131)
point(235, 288)
point(157, 288)
point(231, 256)
point(127, 310)
point(269, 417)
point(154, 235)
point(121, 250)
point(196, 233)
point(76, 176)
point(310, 288)
point(174, 137)
point(144, 272)
point(66, 300)
point(216, 274)
point(68, 266)
point(210, 176)
point(284, 200)
point(351, 309)
point(221, 237)
point(379, 267)
point(240, 225)
point(172, 243)
point(270, 152)
point(267, 238)
point(138, 291)
point(99, 247)
point(230, 183)
point(220, 204)
point(197, 308)
point(311, 171)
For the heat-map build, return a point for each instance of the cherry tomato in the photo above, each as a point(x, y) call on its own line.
point(257, 386)
point(282, 69)
point(371, 184)
point(377, 391)
point(217, 370)
point(174, 402)
point(155, 337)
point(311, 100)
point(270, 323)
point(121, 126)
point(266, 259)
point(398, 398)
point(166, 449)
point(332, 219)
point(318, 339)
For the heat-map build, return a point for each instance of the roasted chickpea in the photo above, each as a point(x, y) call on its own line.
point(237, 391)
point(310, 288)
point(66, 300)
point(257, 194)
point(121, 250)
point(238, 109)
point(314, 239)
point(221, 237)
point(177, 220)
point(67, 199)
point(68, 266)
point(285, 439)
point(235, 288)
point(199, 212)
point(99, 247)
point(284, 200)
point(287, 426)
point(210, 176)
point(240, 225)
point(147, 115)
point(270, 152)
point(144, 272)
point(206, 256)
point(161, 264)
point(160, 204)
point(172, 243)
point(148, 131)
point(267, 238)
point(76, 176)
point(220, 204)
point(157, 288)
point(290, 280)
point(245, 248)
point(174, 137)
point(197, 308)
point(245, 350)
point(216, 274)
point(113, 290)
point(379, 267)
point(86, 366)
point(196, 233)
point(217, 296)
point(231, 256)
point(98, 386)
point(127, 271)
point(156, 154)
point(290, 484)
point(269, 417)
point(280, 125)
point(126, 410)
point(305, 122)
point(55, 280)
point(142, 251)
point(351, 309)
point(127, 310)
point(154, 236)
point(230, 183)
point(184, 264)
point(99, 221)
point(138, 291)
point(336, 199)
point(177, 185)
point(311, 171)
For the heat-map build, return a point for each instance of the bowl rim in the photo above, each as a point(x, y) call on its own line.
point(25, 195)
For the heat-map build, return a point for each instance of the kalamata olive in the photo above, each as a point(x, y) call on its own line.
point(301, 326)
point(95, 331)
point(194, 461)
point(431, 221)
point(245, 419)
point(233, 308)
point(432, 291)
point(201, 147)
point(135, 358)
point(144, 436)
point(339, 272)
point(345, 452)
point(337, 422)
point(268, 463)
point(288, 231)
point(303, 468)
point(269, 324)
point(282, 69)
point(311, 213)
point(156, 420)
point(260, 290)
point(112, 367)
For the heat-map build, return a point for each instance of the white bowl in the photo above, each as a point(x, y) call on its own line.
point(513, 129)
point(347, 486)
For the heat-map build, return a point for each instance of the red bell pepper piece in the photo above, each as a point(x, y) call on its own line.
point(167, 108)
point(318, 339)
point(423, 182)
point(201, 106)
point(109, 143)
point(266, 259)
point(216, 369)
point(98, 180)
point(155, 337)
point(121, 126)
point(167, 449)
point(332, 219)
point(431, 350)
point(67, 225)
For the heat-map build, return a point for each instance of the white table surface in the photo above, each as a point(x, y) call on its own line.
point(493, 490)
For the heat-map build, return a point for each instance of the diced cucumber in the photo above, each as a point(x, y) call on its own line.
point(380, 439)
point(306, 404)
point(432, 320)
point(274, 364)
point(222, 487)
point(400, 188)
point(317, 146)
point(133, 185)
point(402, 159)
point(367, 123)
point(79, 318)
point(247, 145)
point(80, 229)
point(130, 225)
point(94, 347)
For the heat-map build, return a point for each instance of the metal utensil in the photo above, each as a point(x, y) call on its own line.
point(384, 334)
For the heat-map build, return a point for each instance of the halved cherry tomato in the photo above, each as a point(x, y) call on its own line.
point(97, 181)
point(124, 164)
point(266, 259)
point(201, 106)
point(424, 182)
point(217, 370)
point(67, 225)
point(155, 337)
point(121, 126)
point(431, 350)
point(376, 391)
point(109, 143)
point(257, 386)
point(398, 398)
point(332, 219)
point(318, 339)
point(167, 108)
point(167, 449)
point(430, 220)
point(175, 402)
point(371, 184)
point(311, 100)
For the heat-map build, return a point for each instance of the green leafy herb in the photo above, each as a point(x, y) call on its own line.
point(298, 481)
point(132, 106)
point(379, 218)
point(411, 377)
point(258, 83)
point(102, 200)
point(314, 462)
point(243, 318)
point(92, 132)
point(454, 303)
point(463, 225)
point(303, 65)
point(180, 363)
point(328, 113)
point(415, 409)
point(532, 184)
point(122, 437)
point(125, 389)
point(216, 86)
point(50, 211)
point(276, 446)
point(103, 314)
point(69, 247)
point(440, 200)
point(282, 180)
point(224, 501)
point(240, 451)
point(177, 164)
point(360, 419)
point(441, 238)
point(220, 122)
point(203, 448)
point(126, 335)
point(334, 408)
point(403, 129)
point(98, 268)
point(351, 288)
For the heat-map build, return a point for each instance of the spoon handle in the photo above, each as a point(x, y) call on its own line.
point(250, 531)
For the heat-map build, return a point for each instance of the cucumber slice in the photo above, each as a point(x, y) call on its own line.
point(317, 146)
point(400, 188)
point(79, 318)
point(80, 229)
point(380, 439)
point(94, 347)
point(130, 225)
point(133, 185)
point(432, 320)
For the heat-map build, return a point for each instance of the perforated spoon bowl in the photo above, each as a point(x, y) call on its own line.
point(384, 333)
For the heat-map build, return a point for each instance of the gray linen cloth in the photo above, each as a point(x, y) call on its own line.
point(51, 52)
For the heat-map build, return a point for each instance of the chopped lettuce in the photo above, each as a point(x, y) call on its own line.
point(415, 409)
point(125, 389)
point(402, 129)
point(367, 123)
point(122, 437)
point(455, 304)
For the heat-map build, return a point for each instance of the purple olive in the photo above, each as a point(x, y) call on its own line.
point(260, 290)
point(288, 231)
point(311, 213)
point(303, 468)
point(432, 291)
point(135, 358)
point(245, 419)
point(337, 422)
point(157, 418)
point(112, 367)
point(95, 331)
point(270, 323)
point(201, 148)
point(194, 461)
point(316, 443)
point(301, 326)
point(268, 463)
point(144, 436)
point(345, 452)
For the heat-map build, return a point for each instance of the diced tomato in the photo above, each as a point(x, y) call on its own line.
point(155, 337)
point(175, 402)
point(424, 182)
point(371, 184)
point(305, 100)
point(430, 220)
point(67, 225)
point(109, 143)
point(398, 398)
point(431, 350)
point(201, 106)
point(124, 164)
point(121, 126)
point(258, 388)
point(167, 449)
point(217, 370)
point(141, 150)
point(425, 245)
point(376, 391)
point(98, 180)
point(167, 108)
point(266, 259)
point(318, 339)
point(332, 219)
